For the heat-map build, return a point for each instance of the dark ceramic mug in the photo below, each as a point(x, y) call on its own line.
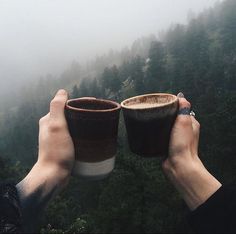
point(93, 125)
point(149, 119)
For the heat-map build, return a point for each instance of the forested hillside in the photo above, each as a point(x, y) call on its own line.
point(198, 59)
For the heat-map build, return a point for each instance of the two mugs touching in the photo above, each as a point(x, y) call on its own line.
point(93, 125)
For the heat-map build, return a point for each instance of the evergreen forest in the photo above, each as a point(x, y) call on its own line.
point(198, 59)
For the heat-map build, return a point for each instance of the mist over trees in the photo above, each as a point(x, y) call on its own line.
point(198, 59)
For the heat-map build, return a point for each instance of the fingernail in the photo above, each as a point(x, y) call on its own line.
point(61, 92)
point(180, 95)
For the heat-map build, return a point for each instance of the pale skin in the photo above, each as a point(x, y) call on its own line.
point(52, 171)
point(183, 167)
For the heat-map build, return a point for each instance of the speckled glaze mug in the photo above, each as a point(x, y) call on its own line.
point(93, 125)
point(149, 119)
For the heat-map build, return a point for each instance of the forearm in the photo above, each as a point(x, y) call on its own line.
point(195, 183)
point(36, 190)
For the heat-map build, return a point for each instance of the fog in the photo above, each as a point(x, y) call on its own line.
point(44, 36)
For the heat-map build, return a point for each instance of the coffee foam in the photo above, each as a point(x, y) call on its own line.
point(145, 102)
point(143, 105)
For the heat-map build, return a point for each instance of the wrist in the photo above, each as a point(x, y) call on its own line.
point(54, 174)
point(178, 166)
point(191, 179)
point(35, 191)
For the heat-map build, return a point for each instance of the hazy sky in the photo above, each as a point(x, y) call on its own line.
point(43, 36)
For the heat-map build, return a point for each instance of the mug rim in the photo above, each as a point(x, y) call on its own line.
point(117, 105)
point(149, 94)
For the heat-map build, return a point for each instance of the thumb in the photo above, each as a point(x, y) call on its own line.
point(57, 104)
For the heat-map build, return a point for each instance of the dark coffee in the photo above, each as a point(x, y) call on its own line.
point(93, 125)
point(149, 120)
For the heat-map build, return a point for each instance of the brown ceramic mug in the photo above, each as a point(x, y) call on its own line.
point(149, 119)
point(93, 125)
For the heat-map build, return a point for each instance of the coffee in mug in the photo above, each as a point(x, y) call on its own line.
point(93, 125)
point(149, 119)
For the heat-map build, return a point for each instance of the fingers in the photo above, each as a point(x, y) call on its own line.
point(186, 106)
point(196, 125)
point(183, 103)
point(183, 117)
point(189, 121)
point(196, 132)
point(57, 105)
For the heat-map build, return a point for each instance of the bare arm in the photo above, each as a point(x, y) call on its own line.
point(183, 167)
point(52, 171)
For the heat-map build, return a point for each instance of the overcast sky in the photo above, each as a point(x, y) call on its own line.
point(43, 36)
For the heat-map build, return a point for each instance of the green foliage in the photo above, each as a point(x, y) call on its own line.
point(156, 73)
point(197, 59)
point(10, 171)
point(110, 79)
point(79, 226)
point(75, 92)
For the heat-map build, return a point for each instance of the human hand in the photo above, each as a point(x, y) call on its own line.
point(183, 167)
point(183, 146)
point(56, 149)
point(52, 171)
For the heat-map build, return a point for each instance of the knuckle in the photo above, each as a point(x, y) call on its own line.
point(198, 125)
point(188, 104)
point(185, 121)
point(57, 125)
point(56, 102)
point(54, 127)
point(184, 103)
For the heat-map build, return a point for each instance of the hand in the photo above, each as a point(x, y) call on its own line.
point(183, 146)
point(183, 167)
point(56, 149)
point(52, 171)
